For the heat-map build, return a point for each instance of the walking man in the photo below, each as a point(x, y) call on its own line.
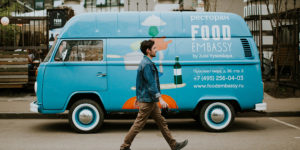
point(148, 95)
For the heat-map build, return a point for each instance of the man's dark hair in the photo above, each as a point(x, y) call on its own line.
point(145, 45)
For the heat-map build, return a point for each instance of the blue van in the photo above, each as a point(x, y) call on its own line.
point(208, 65)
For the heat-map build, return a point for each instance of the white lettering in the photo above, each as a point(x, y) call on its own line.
point(205, 32)
point(219, 46)
point(215, 29)
point(193, 47)
point(208, 47)
point(214, 48)
point(229, 46)
point(210, 17)
point(226, 32)
point(211, 47)
point(215, 32)
point(225, 47)
point(194, 31)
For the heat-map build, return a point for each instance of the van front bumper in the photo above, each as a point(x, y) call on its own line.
point(34, 107)
point(261, 107)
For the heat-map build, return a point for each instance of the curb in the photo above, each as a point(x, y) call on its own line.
point(133, 115)
point(32, 116)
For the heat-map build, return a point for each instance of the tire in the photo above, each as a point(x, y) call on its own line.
point(195, 115)
point(86, 116)
point(213, 123)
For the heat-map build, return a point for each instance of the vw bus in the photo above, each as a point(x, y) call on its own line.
point(208, 65)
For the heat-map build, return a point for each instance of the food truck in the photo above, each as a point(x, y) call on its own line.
point(208, 65)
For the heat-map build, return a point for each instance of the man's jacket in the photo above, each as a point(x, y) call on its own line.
point(147, 82)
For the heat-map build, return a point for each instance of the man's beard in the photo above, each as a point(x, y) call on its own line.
point(153, 55)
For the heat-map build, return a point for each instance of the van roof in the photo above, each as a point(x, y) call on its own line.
point(152, 24)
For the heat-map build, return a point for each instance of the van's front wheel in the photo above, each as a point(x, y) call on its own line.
point(86, 116)
point(217, 116)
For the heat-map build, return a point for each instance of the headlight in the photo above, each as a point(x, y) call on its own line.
point(35, 87)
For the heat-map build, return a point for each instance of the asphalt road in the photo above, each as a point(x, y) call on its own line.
point(262, 133)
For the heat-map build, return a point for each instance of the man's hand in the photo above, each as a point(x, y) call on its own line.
point(136, 104)
point(163, 103)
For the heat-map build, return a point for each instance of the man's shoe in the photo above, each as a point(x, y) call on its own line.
point(127, 148)
point(181, 145)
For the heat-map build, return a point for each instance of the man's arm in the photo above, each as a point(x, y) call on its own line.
point(149, 76)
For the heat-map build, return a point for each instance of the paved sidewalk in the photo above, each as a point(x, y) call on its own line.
point(18, 107)
point(16, 104)
point(281, 104)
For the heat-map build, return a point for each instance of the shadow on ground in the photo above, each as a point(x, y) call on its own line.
point(17, 92)
point(62, 126)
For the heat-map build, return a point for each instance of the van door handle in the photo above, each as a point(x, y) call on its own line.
point(101, 74)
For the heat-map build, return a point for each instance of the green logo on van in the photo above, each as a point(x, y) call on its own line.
point(153, 31)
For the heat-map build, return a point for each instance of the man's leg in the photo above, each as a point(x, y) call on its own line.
point(139, 123)
point(163, 126)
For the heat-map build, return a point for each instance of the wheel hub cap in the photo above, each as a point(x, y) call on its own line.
point(217, 115)
point(85, 116)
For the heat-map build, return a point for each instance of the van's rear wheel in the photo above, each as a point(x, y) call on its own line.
point(86, 116)
point(217, 116)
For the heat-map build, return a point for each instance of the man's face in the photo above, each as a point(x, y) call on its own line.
point(152, 52)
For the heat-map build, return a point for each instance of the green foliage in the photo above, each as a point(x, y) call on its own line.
point(9, 35)
point(8, 6)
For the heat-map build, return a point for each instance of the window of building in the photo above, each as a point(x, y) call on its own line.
point(107, 3)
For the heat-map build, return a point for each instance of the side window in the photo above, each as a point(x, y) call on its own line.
point(80, 50)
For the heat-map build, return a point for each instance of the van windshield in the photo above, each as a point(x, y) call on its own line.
point(50, 52)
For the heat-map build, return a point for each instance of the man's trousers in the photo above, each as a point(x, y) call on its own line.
point(146, 110)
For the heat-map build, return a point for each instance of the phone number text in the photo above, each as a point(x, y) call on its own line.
point(219, 78)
